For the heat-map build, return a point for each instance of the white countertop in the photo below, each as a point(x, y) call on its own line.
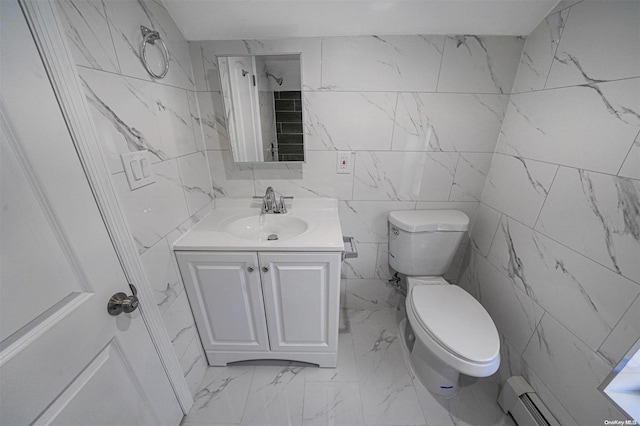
point(321, 215)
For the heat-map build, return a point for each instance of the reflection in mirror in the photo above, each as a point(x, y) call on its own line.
point(262, 97)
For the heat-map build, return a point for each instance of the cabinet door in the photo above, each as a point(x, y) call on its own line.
point(226, 299)
point(302, 296)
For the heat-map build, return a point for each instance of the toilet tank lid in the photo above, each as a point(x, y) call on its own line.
point(429, 220)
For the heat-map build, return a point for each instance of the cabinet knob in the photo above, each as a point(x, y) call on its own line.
point(265, 269)
point(250, 268)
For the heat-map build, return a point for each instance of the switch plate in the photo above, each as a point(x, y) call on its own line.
point(137, 168)
point(344, 164)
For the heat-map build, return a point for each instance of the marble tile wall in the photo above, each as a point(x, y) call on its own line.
point(555, 244)
point(420, 115)
point(133, 111)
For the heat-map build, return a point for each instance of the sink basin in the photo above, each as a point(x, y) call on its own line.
point(265, 227)
point(311, 224)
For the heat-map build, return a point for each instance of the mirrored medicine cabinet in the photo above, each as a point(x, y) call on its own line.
point(262, 96)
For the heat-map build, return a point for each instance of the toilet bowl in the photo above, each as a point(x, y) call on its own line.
point(453, 334)
point(447, 331)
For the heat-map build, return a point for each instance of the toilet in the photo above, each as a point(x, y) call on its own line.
point(448, 332)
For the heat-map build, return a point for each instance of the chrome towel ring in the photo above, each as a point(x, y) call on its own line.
point(150, 36)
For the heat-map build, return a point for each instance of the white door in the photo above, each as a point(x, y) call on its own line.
point(63, 358)
point(226, 298)
point(302, 297)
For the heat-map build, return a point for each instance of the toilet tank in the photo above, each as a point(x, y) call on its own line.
point(424, 242)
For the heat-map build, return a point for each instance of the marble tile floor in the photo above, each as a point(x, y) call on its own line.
point(370, 386)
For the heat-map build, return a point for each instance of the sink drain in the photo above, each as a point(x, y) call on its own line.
point(272, 237)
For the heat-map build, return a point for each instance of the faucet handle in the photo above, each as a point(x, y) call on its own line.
point(282, 207)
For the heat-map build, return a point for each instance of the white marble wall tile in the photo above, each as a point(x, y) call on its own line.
point(454, 270)
point(598, 34)
point(211, 72)
point(553, 125)
point(348, 120)
point(366, 221)
point(586, 297)
point(387, 392)
point(479, 64)
point(122, 117)
point(194, 365)
point(88, 34)
point(275, 397)
point(484, 228)
point(571, 371)
point(515, 314)
point(596, 215)
point(213, 122)
point(471, 174)
point(557, 409)
point(329, 403)
point(538, 53)
point(469, 280)
point(125, 19)
point(372, 294)
point(403, 176)
point(228, 178)
point(153, 210)
point(162, 275)
point(448, 122)
point(194, 112)
point(362, 267)
point(390, 63)
point(179, 323)
point(317, 177)
point(309, 48)
point(221, 396)
point(181, 229)
point(518, 187)
point(631, 166)
point(197, 64)
point(196, 183)
point(131, 115)
point(623, 336)
point(383, 270)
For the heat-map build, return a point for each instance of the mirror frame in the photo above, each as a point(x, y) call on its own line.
point(224, 106)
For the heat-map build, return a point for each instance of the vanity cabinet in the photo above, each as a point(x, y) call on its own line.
point(264, 305)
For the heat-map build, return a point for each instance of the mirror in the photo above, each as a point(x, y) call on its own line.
point(262, 96)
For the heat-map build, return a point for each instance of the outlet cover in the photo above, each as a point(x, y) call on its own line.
point(344, 164)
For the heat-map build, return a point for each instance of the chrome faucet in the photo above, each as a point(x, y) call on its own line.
point(269, 203)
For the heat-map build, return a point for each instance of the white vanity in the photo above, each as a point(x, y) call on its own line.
point(256, 297)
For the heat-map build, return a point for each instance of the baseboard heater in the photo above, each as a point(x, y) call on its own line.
point(520, 400)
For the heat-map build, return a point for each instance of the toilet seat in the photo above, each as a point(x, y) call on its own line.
point(455, 327)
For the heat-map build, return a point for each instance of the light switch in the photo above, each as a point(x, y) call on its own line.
point(145, 167)
point(137, 168)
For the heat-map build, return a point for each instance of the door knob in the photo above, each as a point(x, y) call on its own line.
point(250, 268)
point(265, 269)
point(120, 302)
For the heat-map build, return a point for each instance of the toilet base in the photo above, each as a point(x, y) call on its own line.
point(436, 376)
